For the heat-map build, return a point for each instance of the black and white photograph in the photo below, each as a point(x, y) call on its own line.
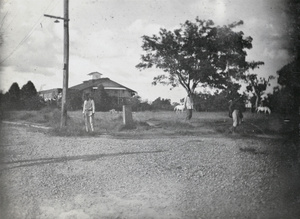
point(149, 109)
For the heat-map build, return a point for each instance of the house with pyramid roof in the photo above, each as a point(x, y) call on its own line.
point(111, 87)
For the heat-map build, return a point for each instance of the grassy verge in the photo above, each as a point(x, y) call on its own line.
point(162, 122)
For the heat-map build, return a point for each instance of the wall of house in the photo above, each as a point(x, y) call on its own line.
point(50, 95)
point(112, 93)
point(118, 93)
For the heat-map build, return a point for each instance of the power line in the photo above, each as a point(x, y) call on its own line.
point(20, 43)
point(13, 17)
point(3, 19)
point(28, 34)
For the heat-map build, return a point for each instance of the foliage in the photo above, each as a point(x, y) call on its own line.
point(117, 102)
point(285, 100)
point(158, 104)
point(144, 106)
point(293, 27)
point(14, 94)
point(198, 54)
point(101, 99)
point(74, 100)
point(25, 98)
point(4, 100)
point(289, 77)
point(164, 121)
point(13, 101)
point(33, 103)
point(28, 90)
point(138, 105)
point(219, 100)
point(257, 86)
point(162, 104)
point(29, 97)
point(280, 101)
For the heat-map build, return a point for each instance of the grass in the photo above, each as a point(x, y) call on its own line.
point(160, 122)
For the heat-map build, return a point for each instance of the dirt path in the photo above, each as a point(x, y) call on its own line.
point(167, 177)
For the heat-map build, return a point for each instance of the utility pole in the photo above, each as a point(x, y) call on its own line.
point(63, 121)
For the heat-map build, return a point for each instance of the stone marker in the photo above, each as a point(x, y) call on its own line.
point(127, 115)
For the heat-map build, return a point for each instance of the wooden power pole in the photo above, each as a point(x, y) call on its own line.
point(63, 122)
point(64, 115)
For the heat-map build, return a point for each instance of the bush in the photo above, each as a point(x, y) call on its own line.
point(33, 103)
point(74, 100)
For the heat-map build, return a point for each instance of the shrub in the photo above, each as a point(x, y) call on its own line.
point(74, 100)
point(33, 103)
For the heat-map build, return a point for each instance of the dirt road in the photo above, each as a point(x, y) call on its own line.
point(205, 176)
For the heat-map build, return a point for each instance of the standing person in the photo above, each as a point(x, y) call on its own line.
point(189, 106)
point(235, 112)
point(88, 112)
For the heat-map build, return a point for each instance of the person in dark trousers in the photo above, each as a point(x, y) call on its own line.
point(236, 113)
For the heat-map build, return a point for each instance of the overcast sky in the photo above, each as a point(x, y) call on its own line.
point(105, 36)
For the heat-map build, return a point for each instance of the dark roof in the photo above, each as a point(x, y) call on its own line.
point(106, 82)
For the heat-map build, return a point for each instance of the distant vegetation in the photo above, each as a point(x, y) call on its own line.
point(27, 98)
point(151, 123)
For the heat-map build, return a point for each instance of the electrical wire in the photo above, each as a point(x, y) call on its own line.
point(3, 19)
point(39, 20)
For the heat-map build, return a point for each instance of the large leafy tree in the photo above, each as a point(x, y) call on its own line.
point(289, 75)
point(198, 54)
point(289, 78)
point(292, 26)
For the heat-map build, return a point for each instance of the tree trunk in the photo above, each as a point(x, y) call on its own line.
point(257, 100)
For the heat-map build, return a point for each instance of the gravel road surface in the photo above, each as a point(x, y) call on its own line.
point(205, 176)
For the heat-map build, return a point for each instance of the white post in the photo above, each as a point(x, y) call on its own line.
point(127, 115)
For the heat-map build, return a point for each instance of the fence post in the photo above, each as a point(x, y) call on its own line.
point(127, 115)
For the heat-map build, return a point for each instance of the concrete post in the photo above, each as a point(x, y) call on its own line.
point(127, 115)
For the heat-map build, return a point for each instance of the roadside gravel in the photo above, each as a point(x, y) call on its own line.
point(205, 176)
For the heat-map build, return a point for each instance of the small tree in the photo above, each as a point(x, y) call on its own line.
point(28, 90)
point(198, 54)
point(257, 86)
point(161, 104)
point(14, 96)
point(14, 92)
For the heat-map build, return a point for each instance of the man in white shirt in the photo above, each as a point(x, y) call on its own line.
point(88, 112)
point(189, 106)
